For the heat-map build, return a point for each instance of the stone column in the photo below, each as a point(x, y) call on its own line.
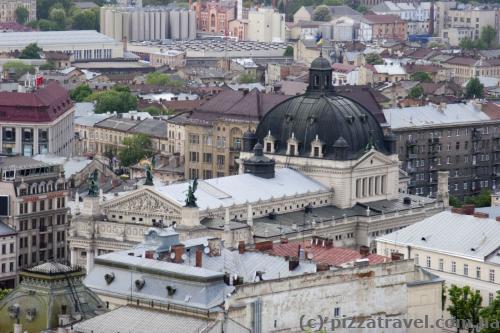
point(35, 141)
point(73, 256)
point(19, 147)
point(90, 259)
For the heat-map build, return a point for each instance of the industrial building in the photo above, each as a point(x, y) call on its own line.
point(147, 23)
point(83, 44)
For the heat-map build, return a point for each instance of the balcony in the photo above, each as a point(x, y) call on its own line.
point(412, 156)
point(411, 142)
point(42, 228)
point(433, 141)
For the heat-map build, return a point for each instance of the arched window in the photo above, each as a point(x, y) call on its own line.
point(316, 80)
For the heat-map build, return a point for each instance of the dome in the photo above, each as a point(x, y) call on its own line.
point(321, 63)
point(337, 122)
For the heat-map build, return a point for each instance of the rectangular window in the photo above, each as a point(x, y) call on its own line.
point(220, 159)
point(428, 262)
point(492, 275)
point(453, 267)
point(478, 272)
point(441, 264)
point(466, 270)
point(336, 312)
point(416, 259)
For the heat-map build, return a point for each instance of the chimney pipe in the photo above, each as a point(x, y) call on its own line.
point(364, 250)
point(199, 258)
point(241, 247)
point(293, 263)
point(179, 251)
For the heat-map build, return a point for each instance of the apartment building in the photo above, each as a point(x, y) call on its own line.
point(467, 256)
point(462, 69)
point(457, 21)
point(379, 27)
point(34, 196)
point(8, 10)
point(214, 17)
point(265, 25)
point(8, 249)
point(214, 131)
point(36, 122)
point(463, 139)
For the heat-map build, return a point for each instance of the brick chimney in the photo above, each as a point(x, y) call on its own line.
point(199, 258)
point(364, 250)
point(241, 247)
point(149, 254)
point(395, 256)
point(498, 218)
point(179, 251)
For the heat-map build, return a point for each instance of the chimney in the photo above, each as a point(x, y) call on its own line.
point(241, 247)
point(498, 218)
point(283, 240)
point(321, 267)
point(468, 209)
point(396, 256)
point(264, 246)
point(293, 263)
point(199, 258)
point(215, 247)
point(364, 250)
point(149, 254)
point(179, 251)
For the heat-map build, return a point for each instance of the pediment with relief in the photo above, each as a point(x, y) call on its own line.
point(143, 201)
point(373, 159)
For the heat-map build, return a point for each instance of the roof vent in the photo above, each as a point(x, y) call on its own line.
point(407, 200)
point(171, 290)
point(109, 277)
point(424, 239)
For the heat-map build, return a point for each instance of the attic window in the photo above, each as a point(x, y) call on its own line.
point(350, 119)
point(423, 238)
point(171, 290)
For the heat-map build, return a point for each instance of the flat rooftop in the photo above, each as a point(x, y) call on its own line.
point(52, 38)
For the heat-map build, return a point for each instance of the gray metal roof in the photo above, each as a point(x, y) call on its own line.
point(91, 120)
point(5, 230)
point(50, 38)
point(456, 234)
point(51, 268)
point(128, 319)
point(118, 124)
point(433, 115)
point(152, 127)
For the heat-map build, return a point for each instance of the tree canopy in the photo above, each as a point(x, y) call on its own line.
point(248, 78)
point(486, 40)
point(322, 13)
point(18, 68)
point(135, 149)
point(374, 59)
point(464, 305)
point(421, 77)
point(416, 92)
point(31, 51)
point(80, 93)
point(116, 99)
point(4, 293)
point(474, 88)
point(162, 79)
point(491, 314)
point(22, 14)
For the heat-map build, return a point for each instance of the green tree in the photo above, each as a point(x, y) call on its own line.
point(155, 111)
point(488, 36)
point(454, 202)
point(80, 93)
point(18, 68)
point(163, 79)
point(58, 16)
point(467, 43)
point(31, 51)
point(474, 88)
point(481, 200)
point(464, 305)
point(333, 2)
point(113, 100)
point(48, 66)
point(288, 51)
point(491, 314)
point(4, 293)
point(322, 13)
point(47, 25)
point(416, 92)
point(43, 7)
point(22, 14)
point(248, 78)
point(374, 59)
point(85, 20)
point(135, 149)
point(421, 77)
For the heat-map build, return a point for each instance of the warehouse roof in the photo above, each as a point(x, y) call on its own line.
point(46, 38)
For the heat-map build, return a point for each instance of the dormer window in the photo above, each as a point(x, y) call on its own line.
point(316, 80)
point(317, 148)
point(269, 143)
point(292, 146)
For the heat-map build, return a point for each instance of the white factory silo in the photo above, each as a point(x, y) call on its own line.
point(175, 24)
point(109, 26)
point(102, 18)
point(157, 25)
point(141, 24)
point(151, 25)
point(146, 25)
point(192, 24)
point(134, 28)
point(184, 26)
point(118, 20)
point(163, 24)
point(126, 31)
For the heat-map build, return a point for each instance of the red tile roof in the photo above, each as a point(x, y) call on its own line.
point(382, 19)
point(44, 105)
point(333, 256)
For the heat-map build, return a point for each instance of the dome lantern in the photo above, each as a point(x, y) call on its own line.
point(320, 76)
